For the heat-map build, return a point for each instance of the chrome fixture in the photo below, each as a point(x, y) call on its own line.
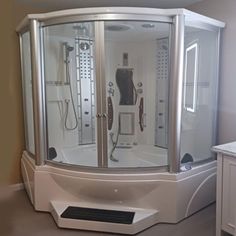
point(148, 25)
point(84, 46)
point(69, 49)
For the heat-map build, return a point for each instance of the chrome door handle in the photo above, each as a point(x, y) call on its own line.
point(98, 115)
point(101, 115)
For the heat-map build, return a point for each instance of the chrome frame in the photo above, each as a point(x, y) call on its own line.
point(201, 25)
point(215, 121)
point(24, 30)
point(175, 92)
point(106, 17)
point(125, 170)
point(100, 73)
point(102, 78)
point(44, 95)
point(23, 92)
point(38, 94)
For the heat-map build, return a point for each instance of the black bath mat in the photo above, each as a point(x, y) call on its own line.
point(82, 213)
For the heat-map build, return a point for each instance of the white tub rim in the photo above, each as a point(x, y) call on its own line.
point(118, 174)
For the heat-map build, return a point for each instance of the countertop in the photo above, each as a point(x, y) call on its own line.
point(227, 149)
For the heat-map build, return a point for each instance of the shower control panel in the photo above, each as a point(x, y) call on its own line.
point(162, 93)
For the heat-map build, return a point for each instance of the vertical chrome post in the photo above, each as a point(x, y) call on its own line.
point(215, 108)
point(23, 92)
point(101, 95)
point(175, 92)
point(38, 94)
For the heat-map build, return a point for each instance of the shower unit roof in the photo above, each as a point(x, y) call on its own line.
point(94, 12)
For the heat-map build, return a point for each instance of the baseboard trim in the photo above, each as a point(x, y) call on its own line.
point(16, 187)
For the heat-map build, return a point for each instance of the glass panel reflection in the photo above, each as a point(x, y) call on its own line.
point(199, 95)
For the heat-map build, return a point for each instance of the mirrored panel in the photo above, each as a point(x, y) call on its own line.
point(70, 92)
point(199, 95)
point(27, 92)
point(137, 56)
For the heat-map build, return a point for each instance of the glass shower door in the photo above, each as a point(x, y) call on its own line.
point(71, 93)
point(136, 68)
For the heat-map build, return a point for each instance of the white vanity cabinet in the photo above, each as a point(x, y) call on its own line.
point(226, 189)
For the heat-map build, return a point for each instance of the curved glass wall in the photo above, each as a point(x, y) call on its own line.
point(71, 93)
point(136, 87)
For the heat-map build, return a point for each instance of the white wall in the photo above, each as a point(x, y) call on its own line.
point(224, 11)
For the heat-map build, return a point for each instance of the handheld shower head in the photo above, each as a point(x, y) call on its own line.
point(69, 48)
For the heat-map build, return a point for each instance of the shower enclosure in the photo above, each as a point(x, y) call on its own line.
point(122, 100)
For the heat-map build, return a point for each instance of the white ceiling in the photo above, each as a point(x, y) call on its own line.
point(65, 4)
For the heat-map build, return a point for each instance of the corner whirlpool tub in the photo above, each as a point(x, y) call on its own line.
point(154, 197)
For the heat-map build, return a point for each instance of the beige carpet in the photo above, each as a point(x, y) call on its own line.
point(18, 218)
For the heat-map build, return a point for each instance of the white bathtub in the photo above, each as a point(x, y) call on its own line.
point(154, 197)
point(134, 156)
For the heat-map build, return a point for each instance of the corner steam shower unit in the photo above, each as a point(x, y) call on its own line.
point(120, 112)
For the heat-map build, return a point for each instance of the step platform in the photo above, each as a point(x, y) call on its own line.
point(102, 217)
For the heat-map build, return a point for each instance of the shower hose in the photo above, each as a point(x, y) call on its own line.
point(72, 101)
point(114, 143)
